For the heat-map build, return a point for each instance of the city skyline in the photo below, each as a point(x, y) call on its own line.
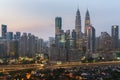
point(37, 17)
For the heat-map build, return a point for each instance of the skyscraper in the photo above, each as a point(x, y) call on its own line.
point(9, 35)
point(58, 25)
point(115, 36)
point(74, 38)
point(4, 31)
point(1, 50)
point(91, 39)
point(87, 22)
point(18, 35)
point(31, 45)
point(78, 24)
point(16, 48)
point(105, 41)
point(23, 45)
point(78, 30)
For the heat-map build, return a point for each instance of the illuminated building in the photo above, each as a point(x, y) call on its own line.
point(78, 24)
point(87, 22)
point(78, 30)
point(91, 39)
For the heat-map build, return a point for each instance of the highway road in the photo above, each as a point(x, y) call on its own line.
point(4, 68)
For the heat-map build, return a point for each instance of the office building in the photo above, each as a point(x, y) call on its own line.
point(115, 36)
point(74, 38)
point(9, 35)
point(31, 45)
point(87, 22)
point(4, 31)
point(106, 41)
point(18, 35)
point(78, 24)
point(58, 25)
point(78, 30)
point(23, 45)
point(91, 39)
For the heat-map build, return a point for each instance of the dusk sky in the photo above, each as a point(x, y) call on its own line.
point(38, 16)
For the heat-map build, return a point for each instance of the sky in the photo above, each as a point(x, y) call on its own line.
point(38, 16)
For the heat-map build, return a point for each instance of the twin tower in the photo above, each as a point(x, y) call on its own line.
point(58, 23)
point(78, 27)
point(86, 39)
point(81, 39)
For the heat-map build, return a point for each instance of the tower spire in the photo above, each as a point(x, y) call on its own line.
point(78, 21)
point(77, 7)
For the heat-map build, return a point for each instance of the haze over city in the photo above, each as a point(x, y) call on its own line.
point(38, 16)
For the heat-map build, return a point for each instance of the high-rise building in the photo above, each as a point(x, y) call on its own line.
point(51, 41)
point(31, 45)
point(87, 22)
point(1, 50)
point(78, 30)
point(58, 29)
point(59, 36)
point(18, 35)
point(91, 39)
point(78, 24)
point(23, 45)
point(67, 44)
point(15, 37)
point(9, 35)
point(62, 39)
point(98, 43)
point(16, 48)
point(11, 47)
point(115, 36)
point(41, 45)
point(106, 42)
point(89, 34)
point(74, 38)
point(58, 25)
point(4, 31)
